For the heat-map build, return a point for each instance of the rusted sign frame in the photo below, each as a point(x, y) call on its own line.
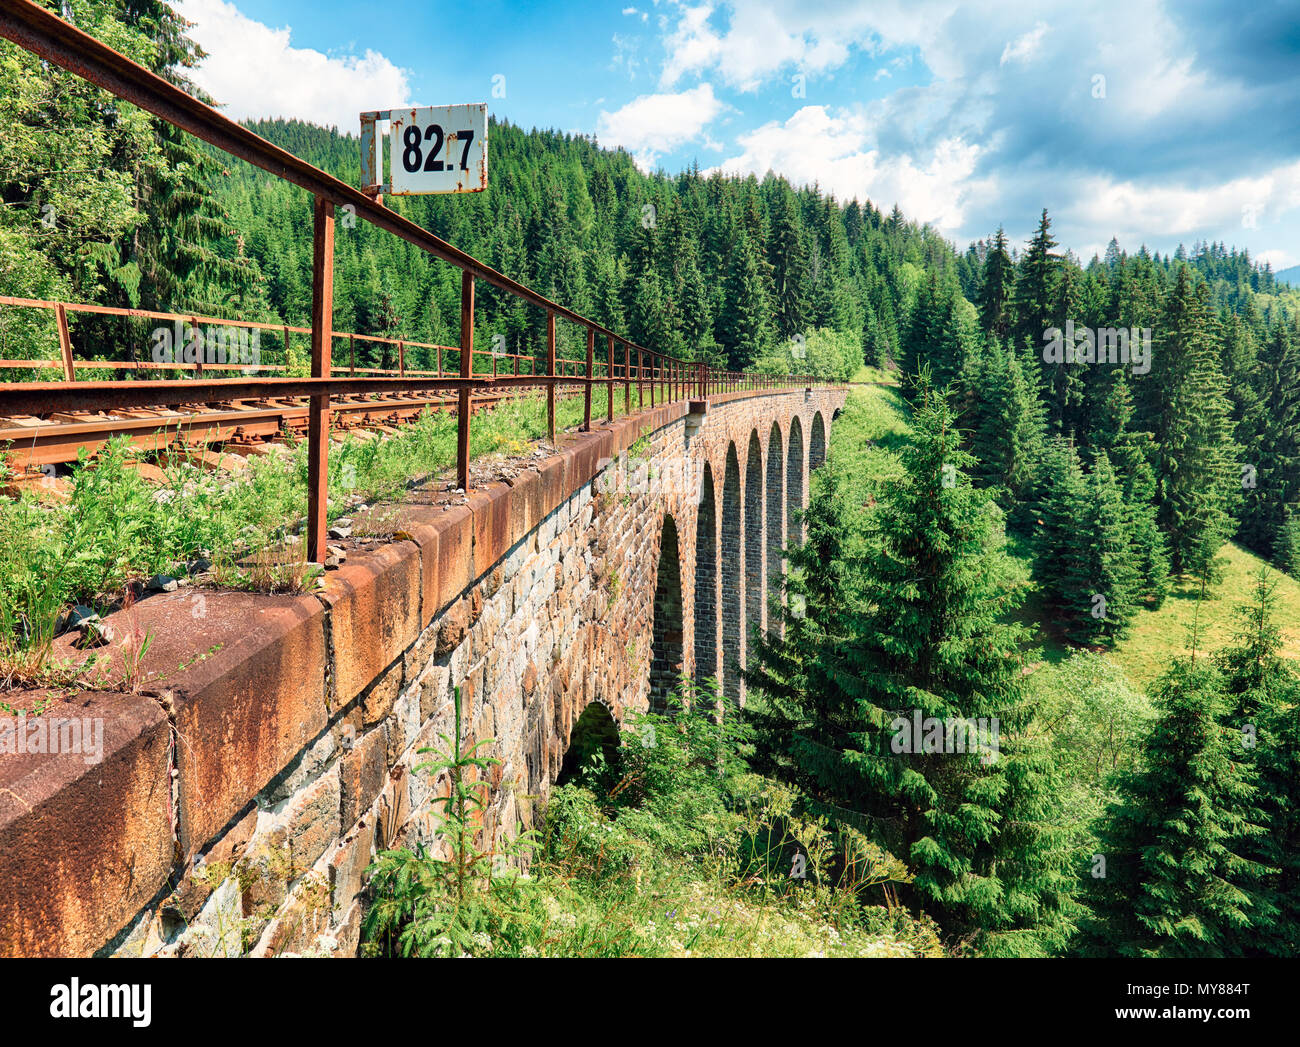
point(372, 150)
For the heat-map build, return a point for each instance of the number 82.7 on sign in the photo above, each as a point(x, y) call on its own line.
point(436, 149)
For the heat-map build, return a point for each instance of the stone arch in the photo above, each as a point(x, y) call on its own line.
point(595, 731)
point(594, 667)
point(817, 443)
point(753, 537)
point(666, 645)
point(775, 518)
point(794, 484)
point(706, 582)
point(730, 555)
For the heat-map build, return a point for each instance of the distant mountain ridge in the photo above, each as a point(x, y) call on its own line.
point(1290, 276)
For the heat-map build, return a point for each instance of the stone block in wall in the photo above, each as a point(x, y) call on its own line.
point(347, 867)
point(83, 845)
point(302, 771)
point(452, 628)
point(344, 939)
point(455, 554)
point(218, 930)
point(379, 698)
point(525, 503)
point(207, 870)
point(245, 714)
point(435, 689)
point(266, 870)
point(403, 724)
point(374, 607)
point(304, 918)
point(363, 769)
point(551, 475)
point(313, 820)
point(491, 508)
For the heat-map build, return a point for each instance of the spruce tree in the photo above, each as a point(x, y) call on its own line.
point(997, 288)
point(1177, 877)
point(1036, 290)
point(918, 630)
point(744, 325)
point(1009, 434)
point(1102, 562)
point(1188, 412)
point(1059, 491)
point(1271, 438)
point(1264, 692)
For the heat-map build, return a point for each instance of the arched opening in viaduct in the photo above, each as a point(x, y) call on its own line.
point(775, 519)
point(593, 746)
point(794, 484)
point(753, 537)
point(666, 647)
point(706, 583)
point(817, 443)
point(731, 553)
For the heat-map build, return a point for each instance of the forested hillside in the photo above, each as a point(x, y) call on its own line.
point(705, 266)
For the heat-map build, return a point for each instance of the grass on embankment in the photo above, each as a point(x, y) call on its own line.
point(1160, 635)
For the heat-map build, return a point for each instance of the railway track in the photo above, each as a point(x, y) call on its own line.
point(34, 447)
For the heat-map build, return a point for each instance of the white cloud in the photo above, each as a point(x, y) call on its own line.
point(254, 71)
point(1024, 47)
point(658, 123)
point(1279, 259)
point(836, 152)
point(1136, 212)
point(762, 36)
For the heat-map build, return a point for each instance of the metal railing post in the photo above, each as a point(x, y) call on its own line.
point(318, 418)
point(609, 374)
point(550, 370)
point(586, 394)
point(65, 343)
point(464, 404)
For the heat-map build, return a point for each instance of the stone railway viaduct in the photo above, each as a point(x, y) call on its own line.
point(245, 785)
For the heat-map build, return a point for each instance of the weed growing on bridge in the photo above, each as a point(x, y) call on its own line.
point(469, 902)
point(115, 529)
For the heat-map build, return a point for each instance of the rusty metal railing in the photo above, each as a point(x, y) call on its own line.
point(666, 377)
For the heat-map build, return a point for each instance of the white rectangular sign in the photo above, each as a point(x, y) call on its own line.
point(438, 149)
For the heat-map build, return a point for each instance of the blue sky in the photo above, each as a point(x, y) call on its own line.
point(1156, 122)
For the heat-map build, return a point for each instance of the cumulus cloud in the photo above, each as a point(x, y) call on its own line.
point(835, 151)
point(254, 71)
point(761, 37)
point(658, 123)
